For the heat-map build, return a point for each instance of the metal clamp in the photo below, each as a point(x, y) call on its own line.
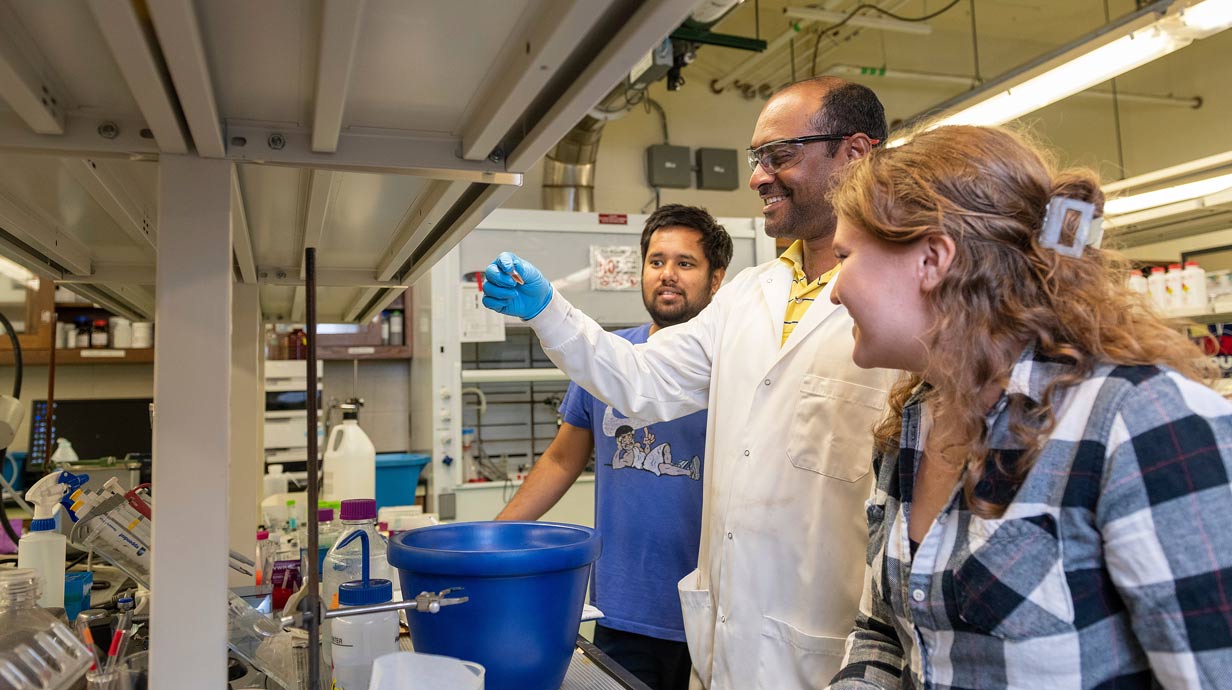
point(427, 602)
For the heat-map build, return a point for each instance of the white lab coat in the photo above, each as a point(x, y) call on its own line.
point(787, 468)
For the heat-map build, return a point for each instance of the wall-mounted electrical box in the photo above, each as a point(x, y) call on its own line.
point(718, 169)
point(669, 166)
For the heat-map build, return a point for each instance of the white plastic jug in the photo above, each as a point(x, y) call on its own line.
point(411, 670)
point(350, 462)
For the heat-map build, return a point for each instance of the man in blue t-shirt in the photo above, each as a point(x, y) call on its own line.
point(648, 489)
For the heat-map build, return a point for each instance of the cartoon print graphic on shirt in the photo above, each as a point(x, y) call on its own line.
point(645, 455)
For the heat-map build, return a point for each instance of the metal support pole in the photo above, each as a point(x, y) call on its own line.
point(312, 602)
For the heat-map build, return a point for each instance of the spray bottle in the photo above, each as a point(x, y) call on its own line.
point(42, 548)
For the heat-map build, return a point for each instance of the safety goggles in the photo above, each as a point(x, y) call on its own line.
point(780, 155)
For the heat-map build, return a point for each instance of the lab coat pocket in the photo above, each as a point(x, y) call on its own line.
point(792, 659)
point(698, 623)
point(1013, 584)
point(831, 431)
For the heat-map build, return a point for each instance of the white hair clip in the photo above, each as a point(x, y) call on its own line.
point(1090, 230)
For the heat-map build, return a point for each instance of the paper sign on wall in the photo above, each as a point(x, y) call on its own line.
point(479, 324)
point(615, 268)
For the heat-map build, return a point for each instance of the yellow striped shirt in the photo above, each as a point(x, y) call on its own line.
point(803, 293)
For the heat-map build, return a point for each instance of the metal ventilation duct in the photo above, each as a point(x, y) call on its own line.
point(569, 168)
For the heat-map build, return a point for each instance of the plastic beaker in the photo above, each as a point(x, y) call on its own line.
point(425, 672)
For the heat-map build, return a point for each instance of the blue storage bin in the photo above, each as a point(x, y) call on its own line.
point(397, 474)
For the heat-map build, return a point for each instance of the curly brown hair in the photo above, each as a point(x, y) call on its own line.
point(987, 189)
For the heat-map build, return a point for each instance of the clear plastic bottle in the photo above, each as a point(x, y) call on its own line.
point(344, 563)
point(328, 530)
point(54, 658)
point(357, 641)
point(275, 482)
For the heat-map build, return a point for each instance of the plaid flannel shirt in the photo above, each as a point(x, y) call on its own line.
point(1111, 567)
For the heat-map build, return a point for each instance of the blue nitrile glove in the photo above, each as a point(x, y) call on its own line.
point(503, 294)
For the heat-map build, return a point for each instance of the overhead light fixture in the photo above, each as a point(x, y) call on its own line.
point(1168, 195)
point(919, 28)
point(1138, 38)
point(1185, 194)
point(17, 273)
point(1208, 17)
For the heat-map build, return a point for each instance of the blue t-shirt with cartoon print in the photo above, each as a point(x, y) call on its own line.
point(648, 507)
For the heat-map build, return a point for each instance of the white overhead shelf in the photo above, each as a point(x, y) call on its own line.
point(380, 132)
point(512, 375)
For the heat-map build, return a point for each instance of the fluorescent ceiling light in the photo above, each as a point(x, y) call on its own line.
point(1168, 195)
point(1186, 195)
point(17, 272)
point(1208, 17)
point(883, 23)
point(1135, 40)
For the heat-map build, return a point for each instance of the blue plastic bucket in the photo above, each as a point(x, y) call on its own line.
point(526, 582)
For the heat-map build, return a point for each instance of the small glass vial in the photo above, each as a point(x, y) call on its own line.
point(82, 338)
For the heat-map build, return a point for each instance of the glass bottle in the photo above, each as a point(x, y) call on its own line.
point(297, 344)
point(99, 336)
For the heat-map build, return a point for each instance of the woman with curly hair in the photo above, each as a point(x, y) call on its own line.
point(1053, 506)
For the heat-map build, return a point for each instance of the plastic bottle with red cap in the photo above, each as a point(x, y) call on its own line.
point(1193, 287)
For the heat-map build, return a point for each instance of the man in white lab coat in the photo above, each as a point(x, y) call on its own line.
point(788, 443)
